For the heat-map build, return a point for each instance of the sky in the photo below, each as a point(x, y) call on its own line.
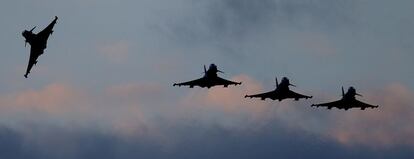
point(103, 87)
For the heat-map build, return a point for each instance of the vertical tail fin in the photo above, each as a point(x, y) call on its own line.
point(205, 70)
point(277, 83)
point(343, 92)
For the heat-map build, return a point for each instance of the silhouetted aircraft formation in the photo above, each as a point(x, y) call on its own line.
point(209, 79)
point(281, 92)
point(38, 43)
point(348, 101)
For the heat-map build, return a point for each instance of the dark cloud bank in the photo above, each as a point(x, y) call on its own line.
point(186, 141)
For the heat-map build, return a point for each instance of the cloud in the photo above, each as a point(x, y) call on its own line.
point(238, 19)
point(228, 99)
point(115, 52)
point(133, 102)
point(315, 43)
point(386, 126)
point(135, 90)
point(227, 107)
point(191, 141)
point(129, 110)
point(389, 125)
point(139, 120)
point(54, 98)
point(121, 122)
point(120, 109)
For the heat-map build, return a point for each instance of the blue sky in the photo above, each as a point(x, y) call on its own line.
point(103, 88)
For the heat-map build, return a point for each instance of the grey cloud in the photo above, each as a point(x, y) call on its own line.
point(192, 140)
point(235, 19)
point(13, 145)
point(233, 29)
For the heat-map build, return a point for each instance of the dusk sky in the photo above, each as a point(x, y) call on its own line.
point(103, 87)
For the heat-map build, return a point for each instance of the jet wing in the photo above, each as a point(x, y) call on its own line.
point(35, 52)
point(291, 94)
point(278, 95)
point(262, 96)
point(44, 34)
point(207, 82)
point(362, 105)
point(221, 81)
point(329, 105)
point(198, 82)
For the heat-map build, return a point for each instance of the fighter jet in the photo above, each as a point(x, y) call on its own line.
point(209, 79)
point(281, 92)
point(38, 43)
point(348, 101)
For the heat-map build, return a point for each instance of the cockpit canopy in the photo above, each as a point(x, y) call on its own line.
point(212, 68)
point(285, 80)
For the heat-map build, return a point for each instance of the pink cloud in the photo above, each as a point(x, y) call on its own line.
point(131, 103)
point(227, 106)
point(54, 98)
point(118, 110)
point(127, 109)
point(229, 99)
point(390, 124)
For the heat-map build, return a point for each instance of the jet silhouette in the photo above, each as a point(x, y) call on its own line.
point(348, 101)
point(281, 92)
point(38, 43)
point(209, 79)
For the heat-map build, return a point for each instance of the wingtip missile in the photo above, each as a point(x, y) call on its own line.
point(314, 105)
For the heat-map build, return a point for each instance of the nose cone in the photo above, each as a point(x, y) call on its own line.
point(26, 34)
